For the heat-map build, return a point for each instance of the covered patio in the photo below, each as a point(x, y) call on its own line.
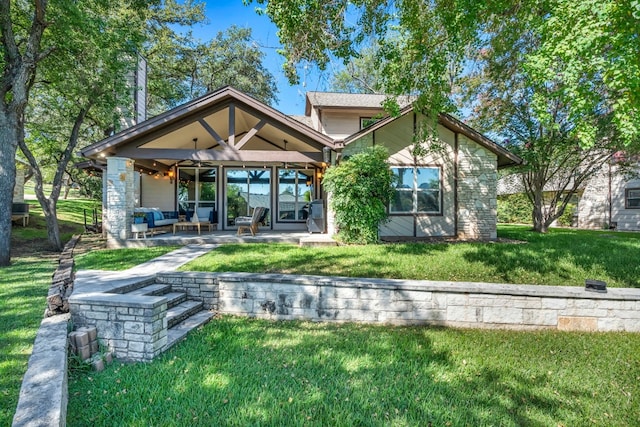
point(218, 157)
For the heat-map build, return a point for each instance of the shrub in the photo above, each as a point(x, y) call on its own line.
point(566, 219)
point(361, 188)
point(514, 208)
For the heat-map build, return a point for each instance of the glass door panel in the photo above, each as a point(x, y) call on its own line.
point(246, 190)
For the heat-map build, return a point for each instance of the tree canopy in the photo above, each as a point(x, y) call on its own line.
point(433, 42)
point(557, 80)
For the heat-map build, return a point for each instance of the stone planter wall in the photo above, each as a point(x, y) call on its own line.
point(134, 327)
point(458, 304)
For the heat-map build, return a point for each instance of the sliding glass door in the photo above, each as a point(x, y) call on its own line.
point(246, 190)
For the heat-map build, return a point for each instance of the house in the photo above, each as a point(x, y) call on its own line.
point(226, 153)
point(609, 199)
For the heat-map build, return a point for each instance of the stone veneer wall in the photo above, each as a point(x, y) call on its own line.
point(458, 304)
point(477, 183)
point(120, 199)
point(593, 207)
point(134, 327)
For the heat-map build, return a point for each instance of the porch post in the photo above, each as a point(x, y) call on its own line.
point(331, 215)
point(119, 201)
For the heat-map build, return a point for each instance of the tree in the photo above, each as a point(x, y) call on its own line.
point(360, 74)
point(181, 69)
point(563, 144)
point(361, 188)
point(81, 80)
point(21, 31)
point(575, 92)
point(82, 89)
point(431, 43)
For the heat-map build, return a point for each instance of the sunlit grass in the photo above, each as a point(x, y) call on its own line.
point(562, 257)
point(248, 372)
point(23, 289)
point(119, 259)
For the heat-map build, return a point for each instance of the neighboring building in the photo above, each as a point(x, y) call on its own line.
point(228, 152)
point(609, 199)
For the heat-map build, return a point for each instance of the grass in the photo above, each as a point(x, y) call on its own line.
point(561, 257)
point(240, 372)
point(23, 290)
point(119, 259)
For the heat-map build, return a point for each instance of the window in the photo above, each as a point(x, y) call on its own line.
point(196, 190)
point(417, 190)
point(367, 121)
point(632, 198)
point(294, 193)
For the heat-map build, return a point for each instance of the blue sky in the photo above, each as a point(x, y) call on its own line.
point(222, 14)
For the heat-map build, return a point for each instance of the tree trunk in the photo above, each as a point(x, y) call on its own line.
point(8, 137)
point(539, 221)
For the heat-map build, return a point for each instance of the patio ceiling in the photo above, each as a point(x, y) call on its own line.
point(225, 126)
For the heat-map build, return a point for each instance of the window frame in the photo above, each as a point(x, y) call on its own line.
point(415, 191)
point(365, 122)
point(298, 198)
point(627, 193)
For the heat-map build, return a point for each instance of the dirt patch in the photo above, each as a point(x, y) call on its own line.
point(41, 248)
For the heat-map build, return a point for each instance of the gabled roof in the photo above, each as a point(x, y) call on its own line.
point(505, 157)
point(260, 120)
point(348, 100)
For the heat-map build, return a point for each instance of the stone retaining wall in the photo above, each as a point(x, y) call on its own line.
point(133, 327)
point(44, 394)
point(198, 286)
point(458, 304)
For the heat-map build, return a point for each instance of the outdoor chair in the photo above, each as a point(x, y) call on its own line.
point(250, 223)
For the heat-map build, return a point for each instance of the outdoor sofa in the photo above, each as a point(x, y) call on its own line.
point(155, 218)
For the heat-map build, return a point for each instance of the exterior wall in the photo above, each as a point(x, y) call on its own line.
point(134, 327)
point(157, 192)
point(477, 181)
point(477, 170)
point(18, 190)
point(341, 123)
point(593, 209)
point(118, 214)
point(457, 304)
point(625, 219)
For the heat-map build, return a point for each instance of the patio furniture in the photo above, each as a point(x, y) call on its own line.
point(250, 223)
point(20, 211)
point(185, 225)
point(155, 218)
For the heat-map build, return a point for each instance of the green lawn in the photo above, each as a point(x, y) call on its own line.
point(561, 257)
point(23, 290)
point(241, 372)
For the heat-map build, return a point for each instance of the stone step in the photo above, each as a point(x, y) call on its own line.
point(175, 298)
point(181, 311)
point(154, 289)
point(180, 330)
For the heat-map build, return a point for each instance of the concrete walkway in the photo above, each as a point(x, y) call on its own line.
point(90, 281)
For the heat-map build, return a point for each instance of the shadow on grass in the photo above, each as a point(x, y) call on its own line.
point(244, 372)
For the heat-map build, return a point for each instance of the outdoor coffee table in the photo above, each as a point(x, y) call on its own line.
point(184, 225)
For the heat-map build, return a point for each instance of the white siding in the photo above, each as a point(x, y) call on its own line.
point(157, 192)
point(342, 123)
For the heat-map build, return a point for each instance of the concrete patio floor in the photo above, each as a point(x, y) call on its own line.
point(230, 236)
